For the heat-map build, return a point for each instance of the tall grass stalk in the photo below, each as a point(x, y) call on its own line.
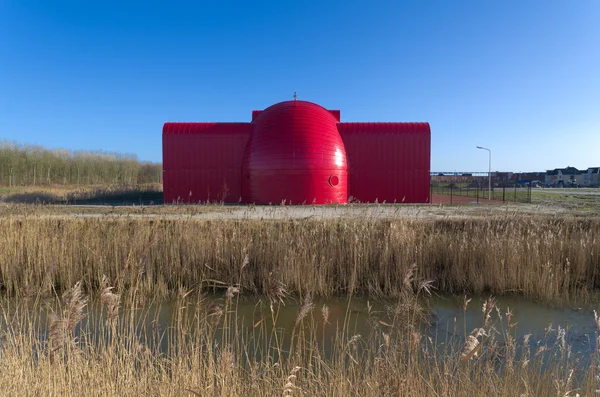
point(193, 356)
point(545, 258)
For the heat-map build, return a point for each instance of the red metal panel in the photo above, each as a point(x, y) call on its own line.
point(294, 151)
point(202, 161)
point(335, 114)
point(255, 114)
point(388, 161)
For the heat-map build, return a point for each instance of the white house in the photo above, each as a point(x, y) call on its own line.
point(590, 177)
point(562, 176)
point(572, 176)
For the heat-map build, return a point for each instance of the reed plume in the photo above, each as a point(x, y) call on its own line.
point(110, 302)
point(61, 326)
point(306, 308)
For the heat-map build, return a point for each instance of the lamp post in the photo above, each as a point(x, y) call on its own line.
point(489, 171)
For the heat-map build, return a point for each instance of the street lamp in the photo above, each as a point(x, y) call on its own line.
point(489, 171)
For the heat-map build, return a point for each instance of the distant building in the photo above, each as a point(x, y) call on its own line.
point(460, 178)
point(558, 177)
point(590, 177)
point(569, 176)
point(499, 178)
point(534, 178)
point(512, 178)
point(503, 178)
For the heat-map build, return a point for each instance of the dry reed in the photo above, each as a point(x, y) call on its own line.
point(203, 358)
point(546, 258)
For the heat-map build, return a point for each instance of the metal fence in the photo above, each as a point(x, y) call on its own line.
point(516, 193)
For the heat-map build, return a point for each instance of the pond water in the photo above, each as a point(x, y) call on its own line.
point(539, 320)
point(448, 322)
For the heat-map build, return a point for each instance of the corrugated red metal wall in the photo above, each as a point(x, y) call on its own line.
point(202, 161)
point(296, 151)
point(295, 154)
point(388, 161)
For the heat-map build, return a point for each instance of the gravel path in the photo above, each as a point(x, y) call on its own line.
point(331, 212)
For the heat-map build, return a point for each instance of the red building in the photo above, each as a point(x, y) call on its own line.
point(297, 152)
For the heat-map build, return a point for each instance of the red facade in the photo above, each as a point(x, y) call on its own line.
point(388, 161)
point(203, 161)
point(294, 153)
point(297, 152)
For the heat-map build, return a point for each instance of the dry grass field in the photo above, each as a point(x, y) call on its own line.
point(56, 259)
point(118, 194)
point(554, 259)
point(49, 347)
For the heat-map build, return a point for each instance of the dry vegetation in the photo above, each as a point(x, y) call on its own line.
point(74, 194)
point(207, 351)
point(553, 259)
point(582, 200)
point(28, 165)
point(52, 343)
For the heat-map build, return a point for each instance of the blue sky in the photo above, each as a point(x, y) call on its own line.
point(520, 77)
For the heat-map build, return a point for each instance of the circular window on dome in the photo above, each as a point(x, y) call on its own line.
point(334, 180)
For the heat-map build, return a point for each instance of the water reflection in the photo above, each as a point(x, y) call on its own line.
point(259, 323)
point(540, 321)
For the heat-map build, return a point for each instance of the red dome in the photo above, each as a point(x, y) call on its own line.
point(295, 153)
